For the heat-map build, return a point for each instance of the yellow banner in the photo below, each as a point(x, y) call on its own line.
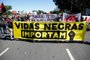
point(50, 30)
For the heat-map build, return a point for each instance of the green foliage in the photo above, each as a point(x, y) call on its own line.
point(8, 7)
point(55, 12)
point(39, 11)
point(73, 6)
point(9, 12)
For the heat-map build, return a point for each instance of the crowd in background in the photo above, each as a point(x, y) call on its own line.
point(7, 19)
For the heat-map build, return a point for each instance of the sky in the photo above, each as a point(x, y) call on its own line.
point(30, 5)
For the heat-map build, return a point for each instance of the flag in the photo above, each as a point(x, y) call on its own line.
point(2, 8)
point(71, 17)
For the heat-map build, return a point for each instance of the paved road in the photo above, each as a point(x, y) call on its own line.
point(21, 50)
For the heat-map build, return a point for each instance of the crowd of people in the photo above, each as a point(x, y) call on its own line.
point(6, 20)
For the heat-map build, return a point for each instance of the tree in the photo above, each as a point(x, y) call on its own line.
point(73, 6)
point(8, 7)
point(38, 11)
point(34, 11)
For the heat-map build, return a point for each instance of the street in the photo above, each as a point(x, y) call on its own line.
point(23, 50)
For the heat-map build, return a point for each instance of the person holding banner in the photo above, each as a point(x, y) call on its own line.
point(27, 19)
point(31, 18)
